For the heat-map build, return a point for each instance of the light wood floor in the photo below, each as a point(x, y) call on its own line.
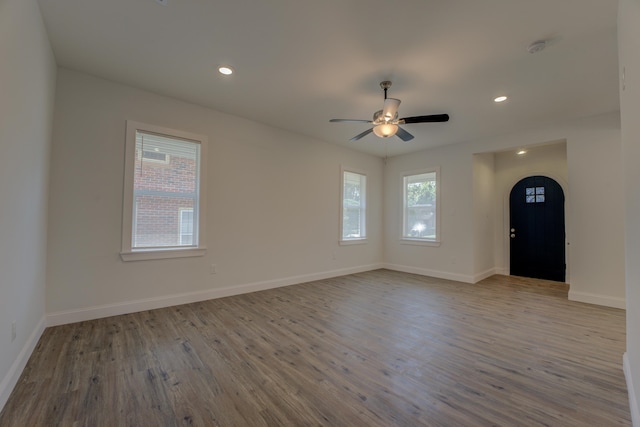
point(380, 348)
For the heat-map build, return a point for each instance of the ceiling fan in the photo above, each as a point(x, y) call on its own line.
point(385, 122)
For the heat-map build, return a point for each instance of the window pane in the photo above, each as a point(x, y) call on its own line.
point(186, 227)
point(166, 191)
point(353, 206)
point(420, 206)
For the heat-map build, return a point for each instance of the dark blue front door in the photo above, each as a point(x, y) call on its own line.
point(537, 231)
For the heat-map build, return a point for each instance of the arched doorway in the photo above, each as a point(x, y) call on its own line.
point(537, 229)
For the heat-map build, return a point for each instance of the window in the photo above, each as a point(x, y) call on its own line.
point(420, 206)
point(353, 208)
point(164, 195)
point(534, 194)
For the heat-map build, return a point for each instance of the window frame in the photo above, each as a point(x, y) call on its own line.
point(129, 253)
point(420, 241)
point(363, 208)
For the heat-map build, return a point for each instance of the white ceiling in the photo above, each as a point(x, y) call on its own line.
point(300, 63)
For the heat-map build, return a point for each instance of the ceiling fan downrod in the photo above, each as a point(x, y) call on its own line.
point(385, 85)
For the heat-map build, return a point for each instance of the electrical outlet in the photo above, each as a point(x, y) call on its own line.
point(213, 269)
point(13, 331)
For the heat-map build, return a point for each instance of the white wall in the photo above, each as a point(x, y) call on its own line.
point(629, 53)
point(454, 258)
point(27, 84)
point(596, 257)
point(596, 217)
point(273, 205)
point(546, 160)
point(485, 210)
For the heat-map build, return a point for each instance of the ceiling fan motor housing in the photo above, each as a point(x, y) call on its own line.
point(379, 117)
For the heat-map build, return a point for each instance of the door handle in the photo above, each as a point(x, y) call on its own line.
point(513, 235)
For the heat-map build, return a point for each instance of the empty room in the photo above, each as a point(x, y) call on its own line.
point(336, 213)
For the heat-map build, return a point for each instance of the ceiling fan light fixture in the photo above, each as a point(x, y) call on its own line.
point(385, 130)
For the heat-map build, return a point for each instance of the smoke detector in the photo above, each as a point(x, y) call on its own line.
point(537, 46)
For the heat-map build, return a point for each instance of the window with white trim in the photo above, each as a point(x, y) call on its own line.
point(353, 213)
point(163, 206)
point(420, 218)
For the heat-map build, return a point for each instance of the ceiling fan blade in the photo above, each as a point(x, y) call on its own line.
point(349, 121)
point(403, 134)
point(361, 135)
point(434, 118)
point(390, 108)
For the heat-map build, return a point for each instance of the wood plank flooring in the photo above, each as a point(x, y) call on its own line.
point(380, 348)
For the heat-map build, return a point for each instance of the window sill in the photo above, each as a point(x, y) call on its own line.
point(353, 242)
point(143, 255)
point(419, 242)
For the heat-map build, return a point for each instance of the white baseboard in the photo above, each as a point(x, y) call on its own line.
point(11, 379)
point(502, 270)
point(597, 299)
point(481, 276)
point(633, 398)
point(431, 273)
point(107, 310)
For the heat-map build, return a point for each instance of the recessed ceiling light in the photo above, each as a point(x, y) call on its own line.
point(521, 152)
point(225, 69)
point(500, 99)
